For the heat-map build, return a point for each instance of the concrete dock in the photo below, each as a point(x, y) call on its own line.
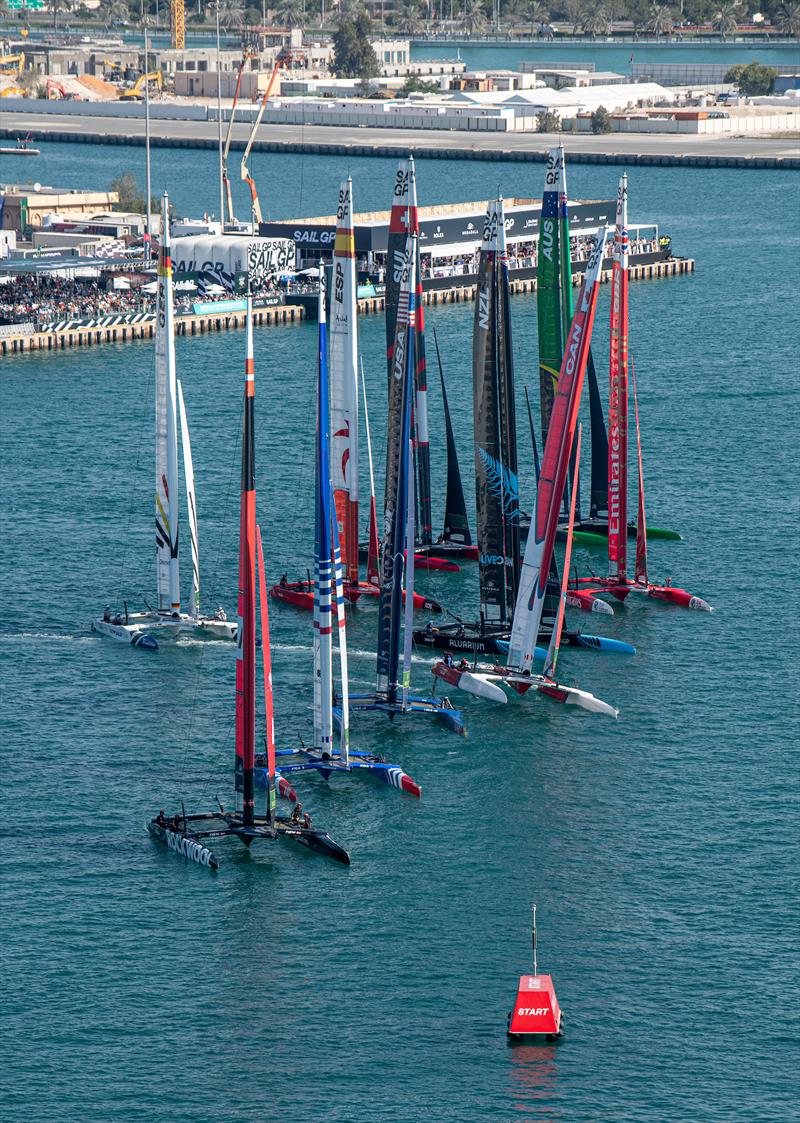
point(20, 342)
point(616, 148)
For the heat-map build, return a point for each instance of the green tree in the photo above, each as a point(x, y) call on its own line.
point(416, 85)
point(753, 80)
point(548, 122)
point(288, 13)
point(660, 21)
point(473, 18)
point(601, 120)
point(788, 20)
point(231, 14)
point(114, 12)
point(727, 16)
point(573, 12)
point(131, 196)
point(539, 16)
point(406, 16)
point(353, 56)
point(595, 21)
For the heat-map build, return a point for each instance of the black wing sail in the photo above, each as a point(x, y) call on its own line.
point(598, 495)
point(456, 521)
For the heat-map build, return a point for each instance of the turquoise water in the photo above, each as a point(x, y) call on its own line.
point(661, 848)
point(609, 56)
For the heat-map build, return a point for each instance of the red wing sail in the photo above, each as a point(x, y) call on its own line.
point(266, 661)
point(246, 633)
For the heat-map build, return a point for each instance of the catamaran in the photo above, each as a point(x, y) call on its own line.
point(496, 476)
point(186, 834)
point(329, 595)
point(344, 444)
point(618, 584)
point(534, 577)
point(397, 554)
point(554, 315)
point(167, 619)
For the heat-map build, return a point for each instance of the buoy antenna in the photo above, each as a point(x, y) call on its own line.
point(533, 939)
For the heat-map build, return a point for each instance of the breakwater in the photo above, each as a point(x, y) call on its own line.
point(623, 149)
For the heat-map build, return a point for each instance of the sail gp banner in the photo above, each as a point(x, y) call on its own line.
point(222, 260)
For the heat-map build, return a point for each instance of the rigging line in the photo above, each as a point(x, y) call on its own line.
point(188, 739)
point(134, 480)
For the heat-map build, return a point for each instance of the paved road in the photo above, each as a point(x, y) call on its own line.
point(617, 148)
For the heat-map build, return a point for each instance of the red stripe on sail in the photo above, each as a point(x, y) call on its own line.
point(266, 658)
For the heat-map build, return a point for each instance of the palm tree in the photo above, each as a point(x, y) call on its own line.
point(727, 17)
point(788, 21)
point(660, 21)
point(594, 21)
point(473, 17)
point(539, 15)
point(573, 10)
point(231, 13)
point(289, 13)
point(407, 17)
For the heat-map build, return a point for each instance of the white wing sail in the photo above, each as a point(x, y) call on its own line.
point(188, 473)
point(344, 382)
point(168, 576)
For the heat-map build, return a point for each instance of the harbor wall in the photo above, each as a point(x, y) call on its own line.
point(18, 338)
point(407, 146)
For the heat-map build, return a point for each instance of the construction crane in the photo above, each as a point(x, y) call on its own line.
point(177, 19)
point(247, 54)
point(18, 60)
point(137, 89)
point(254, 203)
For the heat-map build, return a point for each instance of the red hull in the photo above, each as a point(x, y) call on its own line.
point(298, 595)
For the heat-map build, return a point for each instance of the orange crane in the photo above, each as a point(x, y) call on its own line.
point(255, 205)
point(178, 21)
point(247, 54)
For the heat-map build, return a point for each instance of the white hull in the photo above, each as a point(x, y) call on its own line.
point(166, 626)
point(201, 627)
point(124, 633)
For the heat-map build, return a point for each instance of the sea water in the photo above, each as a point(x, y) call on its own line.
point(661, 848)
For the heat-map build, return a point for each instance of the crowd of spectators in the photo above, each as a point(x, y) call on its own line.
point(40, 299)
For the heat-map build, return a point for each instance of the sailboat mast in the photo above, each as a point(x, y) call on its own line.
point(551, 658)
point(323, 607)
point(266, 661)
point(404, 220)
point(640, 573)
point(344, 383)
point(618, 396)
point(555, 464)
point(372, 550)
point(508, 414)
point(246, 632)
point(496, 485)
point(188, 474)
point(168, 575)
point(394, 522)
point(456, 523)
point(408, 622)
point(549, 283)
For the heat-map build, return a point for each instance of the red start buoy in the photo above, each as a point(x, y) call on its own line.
point(536, 1013)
